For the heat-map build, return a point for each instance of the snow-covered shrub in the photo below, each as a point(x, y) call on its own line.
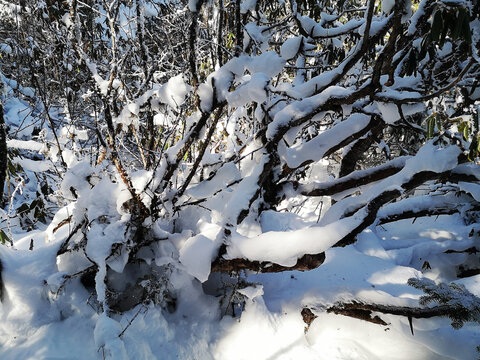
point(161, 142)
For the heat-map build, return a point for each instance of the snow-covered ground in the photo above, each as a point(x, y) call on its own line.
point(36, 324)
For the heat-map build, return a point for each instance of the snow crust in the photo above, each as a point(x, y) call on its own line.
point(199, 251)
point(315, 29)
point(193, 5)
point(472, 189)
point(26, 145)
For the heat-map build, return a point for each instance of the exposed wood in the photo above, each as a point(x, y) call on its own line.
point(371, 209)
point(305, 263)
point(61, 223)
point(346, 141)
point(364, 311)
point(64, 247)
point(360, 314)
point(308, 316)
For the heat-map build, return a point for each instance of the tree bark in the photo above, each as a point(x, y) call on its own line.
point(305, 263)
point(363, 311)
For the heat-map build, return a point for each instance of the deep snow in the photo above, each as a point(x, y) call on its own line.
point(36, 324)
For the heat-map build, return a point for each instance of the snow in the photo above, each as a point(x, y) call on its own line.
point(247, 5)
point(240, 197)
point(472, 189)
point(389, 112)
point(412, 28)
point(428, 158)
point(417, 203)
point(174, 92)
point(255, 32)
point(397, 163)
point(387, 6)
point(197, 255)
point(300, 108)
point(268, 63)
point(251, 292)
point(32, 165)
point(106, 338)
point(290, 47)
point(226, 174)
point(205, 93)
point(338, 337)
point(193, 5)
point(270, 324)
point(316, 30)
point(252, 89)
point(285, 248)
point(7, 49)
point(280, 221)
point(316, 148)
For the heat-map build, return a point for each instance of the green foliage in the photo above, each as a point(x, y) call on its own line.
point(4, 238)
point(30, 213)
point(448, 22)
point(230, 41)
point(439, 121)
point(434, 124)
point(463, 306)
point(474, 150)
point(464, 129)
point(13, 170)
point(454, 22)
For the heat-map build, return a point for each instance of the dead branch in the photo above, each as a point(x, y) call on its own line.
point(305, 263)
point(364, 311)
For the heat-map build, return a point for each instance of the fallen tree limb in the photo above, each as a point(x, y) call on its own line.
point(414, 312)
point(364, 312)
point(305, 263)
